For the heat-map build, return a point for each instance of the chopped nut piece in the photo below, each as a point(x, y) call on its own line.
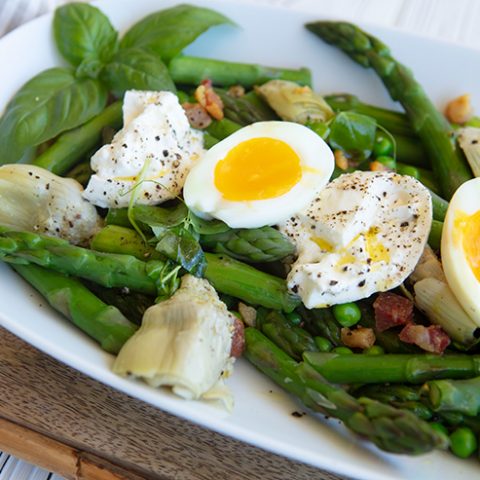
point(209, 100)
point(378, 167)
point(361, 337)
point(236, 91)
point(249, 314)
point(459, 110)
point(341, 161)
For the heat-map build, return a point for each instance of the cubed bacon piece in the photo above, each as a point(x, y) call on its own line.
point(209, 100)
point(392, 310)
point(361, 337)
point(433, 339)
point(238, 339)
point(197, 116)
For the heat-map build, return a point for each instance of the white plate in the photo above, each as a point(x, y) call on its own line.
point(262, 414)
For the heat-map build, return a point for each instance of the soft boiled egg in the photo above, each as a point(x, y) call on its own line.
point(363, 233)
point(260, 175)
point(461, 247)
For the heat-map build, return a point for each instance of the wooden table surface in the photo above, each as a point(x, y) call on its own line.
point(63, 421)
point(109, 429)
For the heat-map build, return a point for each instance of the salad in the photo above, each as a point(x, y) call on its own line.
point(185, 211)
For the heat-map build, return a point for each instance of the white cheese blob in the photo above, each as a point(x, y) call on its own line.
point(184, 343)
point(153, 152)
point(363, 233)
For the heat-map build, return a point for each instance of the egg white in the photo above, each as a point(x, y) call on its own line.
point(317, 163)
point(460, 277)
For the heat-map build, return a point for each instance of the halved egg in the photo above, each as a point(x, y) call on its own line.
point(461, 247)
point(260, 175)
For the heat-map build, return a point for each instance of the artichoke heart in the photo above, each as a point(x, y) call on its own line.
point(34, 199)
point(295, 103)
point(184, 342)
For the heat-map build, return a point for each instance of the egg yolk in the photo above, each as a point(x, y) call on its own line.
point(469, 226)
point(258, 169)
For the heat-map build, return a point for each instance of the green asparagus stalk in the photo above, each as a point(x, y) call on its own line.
point(72, 146)
point(265, 244)
point(435, 236)
point(394, 122)
point(436, 133)
point(247, 109)
point(291, 339)
point(410, 151)
point(439, 207)
point(221, 129)
point(192, 70)
point(392, 368)
point(107, 269)
point(131, 304)
point(390, 429)
point(105, 323)
point(459, 396)
point(227, 275)
point(321, 322)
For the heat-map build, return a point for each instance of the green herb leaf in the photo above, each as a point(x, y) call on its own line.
point(160, 216)
point(83, 32)
point(353, 133)
point(134, 68)
point(181, 246)
point(168, 32)
point(207, 227)
point(50, 103)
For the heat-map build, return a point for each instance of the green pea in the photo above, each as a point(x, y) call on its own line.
point(382, 146)
point(408, 170)
point(342, 350)
point(294, 318)
point(463, 442)
point(323, 344)
point(389, 162)
point(374, 350)
point(347, 314)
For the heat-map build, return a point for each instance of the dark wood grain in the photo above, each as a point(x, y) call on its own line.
point(50, 398)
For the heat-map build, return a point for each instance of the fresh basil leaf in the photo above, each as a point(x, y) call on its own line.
point(136, 69)
point(183, 247)
point(160, 216)
point(168, 32)
point(82, 31)
point(207, 227)
point(353, 133)
point(47, 105)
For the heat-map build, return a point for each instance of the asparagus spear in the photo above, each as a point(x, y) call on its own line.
point(227, 275)
point(105, 323)
point(459, 396)
point(436, 133)
point(221, 129)
point(392, 368)
point(435, 236)
point(247, 109)
point(291, 339)
point(192, 70)
point(265, 244)
point(73, 145)
point(321, 322)
point(391, 429)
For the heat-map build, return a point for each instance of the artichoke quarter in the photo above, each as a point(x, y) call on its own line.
point(184, 343)
point(295, 103)
point(36, 200)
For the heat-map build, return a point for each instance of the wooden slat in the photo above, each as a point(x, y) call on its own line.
point(95, 431)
